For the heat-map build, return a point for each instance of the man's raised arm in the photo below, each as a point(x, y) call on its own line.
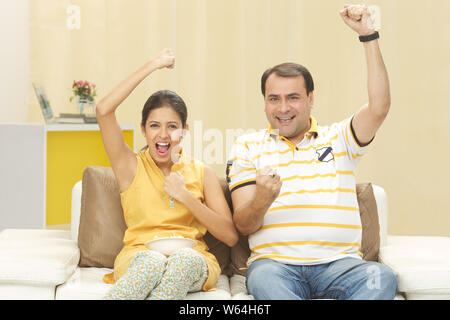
point(370, 117)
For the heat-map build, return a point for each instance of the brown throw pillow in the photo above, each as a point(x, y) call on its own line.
point(102, 225)
point(370, 243)
point(220, 250)
point(239, 256)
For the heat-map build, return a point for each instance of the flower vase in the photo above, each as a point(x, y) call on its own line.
point(82, 104)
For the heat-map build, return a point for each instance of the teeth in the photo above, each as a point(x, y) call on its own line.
point(162, 144)
point(285, 119)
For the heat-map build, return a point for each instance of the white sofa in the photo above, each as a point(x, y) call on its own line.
point(43, 264)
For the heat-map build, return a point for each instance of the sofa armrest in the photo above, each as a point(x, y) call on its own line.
point(42, 257)
point(421, 264)
point(382, 208)
point(75, 210)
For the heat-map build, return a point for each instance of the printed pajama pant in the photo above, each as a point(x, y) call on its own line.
point(154, 276)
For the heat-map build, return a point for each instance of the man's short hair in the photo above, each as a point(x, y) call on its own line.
point(288, 69)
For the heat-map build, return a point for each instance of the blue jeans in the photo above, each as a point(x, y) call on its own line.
point(346, 278)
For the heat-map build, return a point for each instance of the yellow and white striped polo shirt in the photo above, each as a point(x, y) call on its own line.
point(315, 219)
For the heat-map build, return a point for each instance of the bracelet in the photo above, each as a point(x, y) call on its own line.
point(370, 37)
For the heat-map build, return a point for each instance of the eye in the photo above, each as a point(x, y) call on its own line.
point(154, 125)
point(173, 126)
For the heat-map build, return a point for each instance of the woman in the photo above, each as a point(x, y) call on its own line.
point(163, 194)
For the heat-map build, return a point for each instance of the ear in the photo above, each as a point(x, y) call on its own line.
point(311, 99)
point(143, 130)
point(186, 129)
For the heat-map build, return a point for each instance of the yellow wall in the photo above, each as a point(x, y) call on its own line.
point(222, 48)
point(68, 155)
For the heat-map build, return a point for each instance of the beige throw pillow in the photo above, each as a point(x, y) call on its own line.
point(102, 225)
point(370, 244)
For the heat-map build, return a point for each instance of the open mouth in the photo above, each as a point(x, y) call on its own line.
point(285, 119)
point(162, 148)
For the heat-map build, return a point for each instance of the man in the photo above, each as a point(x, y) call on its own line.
point(294, 192)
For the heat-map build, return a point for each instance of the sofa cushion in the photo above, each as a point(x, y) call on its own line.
point(370, 243)
point(86, 284)
point(37, 257)
point(221, 292)
point(238, 288)
point(102, 225)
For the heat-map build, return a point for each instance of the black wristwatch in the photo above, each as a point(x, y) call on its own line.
point(370, 37)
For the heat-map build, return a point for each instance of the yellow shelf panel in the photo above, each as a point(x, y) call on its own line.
point(68, 154)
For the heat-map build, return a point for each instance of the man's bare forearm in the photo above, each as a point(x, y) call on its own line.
point(250, 217)
point(377, 79)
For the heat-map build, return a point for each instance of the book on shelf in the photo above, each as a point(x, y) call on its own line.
point(70, 118)
point(75, 118)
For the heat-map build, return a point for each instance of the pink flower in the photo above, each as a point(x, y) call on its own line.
point(83, 89)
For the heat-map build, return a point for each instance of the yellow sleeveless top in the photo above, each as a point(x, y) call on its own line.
point(148, 214)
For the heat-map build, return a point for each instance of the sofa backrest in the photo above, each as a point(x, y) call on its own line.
point(100, 181)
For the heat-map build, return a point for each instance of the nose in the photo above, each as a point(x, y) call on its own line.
point(284, 106)
point(163, 133)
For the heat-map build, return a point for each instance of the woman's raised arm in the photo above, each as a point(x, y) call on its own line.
point(122, 158)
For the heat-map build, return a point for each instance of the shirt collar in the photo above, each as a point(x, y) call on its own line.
point(313, 130)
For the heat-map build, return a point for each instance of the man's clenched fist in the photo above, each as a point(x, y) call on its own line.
point(358, 18)
point(268, 184)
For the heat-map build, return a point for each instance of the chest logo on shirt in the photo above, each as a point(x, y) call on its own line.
point(325, 154)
